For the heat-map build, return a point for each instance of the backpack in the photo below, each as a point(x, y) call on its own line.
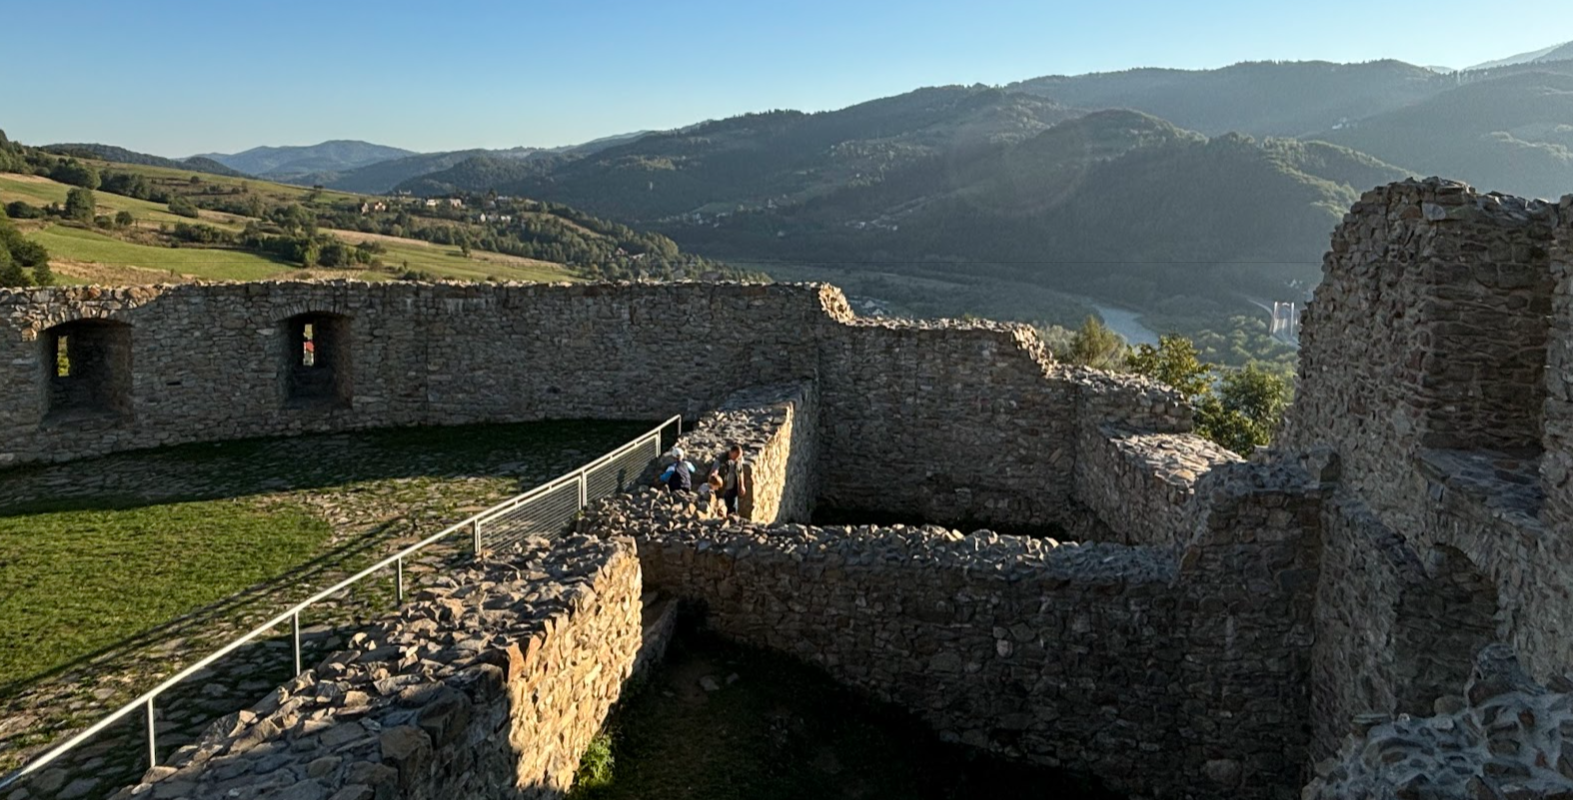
point(679, 479)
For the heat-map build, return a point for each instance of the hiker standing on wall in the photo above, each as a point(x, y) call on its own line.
point(734, 478)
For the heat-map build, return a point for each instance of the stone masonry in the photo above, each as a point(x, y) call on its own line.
point(488, 687)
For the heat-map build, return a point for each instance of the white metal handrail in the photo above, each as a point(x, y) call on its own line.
point(472, 524)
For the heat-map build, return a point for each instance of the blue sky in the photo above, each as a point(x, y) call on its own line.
point(175, 77)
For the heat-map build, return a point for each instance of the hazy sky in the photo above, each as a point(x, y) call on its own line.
point(177, 78)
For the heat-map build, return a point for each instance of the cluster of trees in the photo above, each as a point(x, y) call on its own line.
point(551, 232)
point(1238, 408)
point(17, 253)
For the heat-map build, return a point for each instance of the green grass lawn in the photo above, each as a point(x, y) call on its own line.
point(39, 193)
point(81, 578)
point(80, 244)
point(107, 565)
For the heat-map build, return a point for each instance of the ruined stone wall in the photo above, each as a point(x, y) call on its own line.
point(952, 421)
point(1151, 672)
point(1141, 484)
point(1365, 570)
point(1428, 331)
point(1503, 735)
point(489, 688)
point(1424, 367)
point(1136, 462)
point(211, 361)
point(1556, 467)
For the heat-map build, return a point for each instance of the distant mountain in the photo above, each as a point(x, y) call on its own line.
point(382, 176)
point(1508, 129)
point(385, 176)
point(785, 157)
point(1116, 204)
point(1276, 98)
point(279, 162)
point(107, 152)
point(1556, 52)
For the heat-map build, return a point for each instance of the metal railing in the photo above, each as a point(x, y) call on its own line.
point(545, 510)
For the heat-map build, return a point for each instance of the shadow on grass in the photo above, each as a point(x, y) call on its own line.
point(243, 467)
point(198, 619)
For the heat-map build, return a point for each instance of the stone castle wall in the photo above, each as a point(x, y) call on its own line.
point(1556, 466)
point(953, 421)
point(1430, 363)
point(1095, 658)
point(489, 688)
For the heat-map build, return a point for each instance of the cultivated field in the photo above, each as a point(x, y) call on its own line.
point(83, 255)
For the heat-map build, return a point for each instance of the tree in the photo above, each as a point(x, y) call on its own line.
point(185, 208)
point(80, 204)
point(1174, 362)
point(1094, 345)
point(74, 173)
point(1247, 410)
point(43, 275)
point(11, 273)
point(123, 219)
point(20, 209)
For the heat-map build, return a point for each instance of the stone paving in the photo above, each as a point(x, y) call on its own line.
point(383, 499)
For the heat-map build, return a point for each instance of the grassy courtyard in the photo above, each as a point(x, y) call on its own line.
point(98, 554)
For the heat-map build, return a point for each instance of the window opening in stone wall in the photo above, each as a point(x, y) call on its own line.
point(88, 369)
point(308, 356)
point(63, 356)
point(319, 369)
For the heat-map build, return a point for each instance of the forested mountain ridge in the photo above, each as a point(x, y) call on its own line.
point(335, 155)
point(1256, 98)
point(121, 155)
point(1510, 131)
point(1116, 204)
point(757, 160)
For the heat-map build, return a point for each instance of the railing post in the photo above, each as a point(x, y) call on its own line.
point(399, 565)
point(584, 490)
point(475, 534)
point(294, 624)
point(152, 737)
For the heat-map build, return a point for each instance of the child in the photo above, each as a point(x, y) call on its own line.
point(710, 493)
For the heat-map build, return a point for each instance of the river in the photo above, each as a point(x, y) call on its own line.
point(1125, 324)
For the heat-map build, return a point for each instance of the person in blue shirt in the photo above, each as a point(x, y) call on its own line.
point(678, 475)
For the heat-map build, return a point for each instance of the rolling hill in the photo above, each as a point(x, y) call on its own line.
point(786, 157)
point(1255, 98)
point(1512, 133)
point(1117, 204)
point(246, 229)
point(1556, 52)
